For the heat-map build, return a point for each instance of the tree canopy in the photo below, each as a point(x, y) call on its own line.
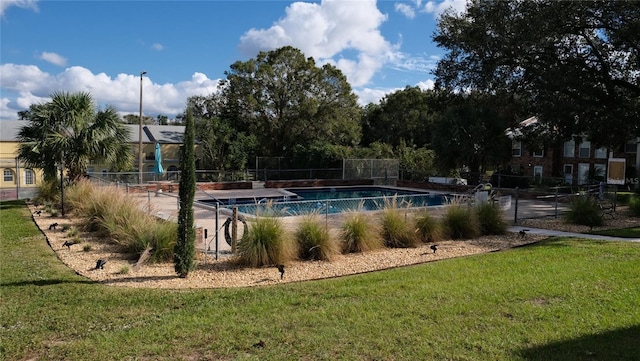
point(405, 115)
point(285, 100)
point(576, 63)
point(69, 129)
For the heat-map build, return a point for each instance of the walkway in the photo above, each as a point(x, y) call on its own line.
point(554, 233)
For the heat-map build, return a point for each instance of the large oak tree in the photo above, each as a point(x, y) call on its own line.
point(576, 62)
point(285, 100)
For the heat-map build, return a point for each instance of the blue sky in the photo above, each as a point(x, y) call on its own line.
point(186, 46)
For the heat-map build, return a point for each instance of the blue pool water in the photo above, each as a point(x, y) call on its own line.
point(339, 199)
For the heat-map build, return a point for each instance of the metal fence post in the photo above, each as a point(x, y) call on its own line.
point(326, 215)
point(515, 212)
point(234, 230)
point(217, 226)
point(556, 202)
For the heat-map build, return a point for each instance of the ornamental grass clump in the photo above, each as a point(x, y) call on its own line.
point(266, 243)
point(397, 230)
point(460, 222)
point(113, 215)
point(359, 234)
point(314, 240)
point(634, 205)
point(48, 192)
point(428, 228)
point(585, 211)
point(491, 219)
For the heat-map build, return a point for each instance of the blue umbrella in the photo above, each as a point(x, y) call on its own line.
point(158, 166)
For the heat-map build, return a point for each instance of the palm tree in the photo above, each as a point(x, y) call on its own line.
point(69, 129)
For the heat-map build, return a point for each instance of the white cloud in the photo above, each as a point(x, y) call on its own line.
point(157, 46)
point(23, 85)
point(53, 58)
point(427, 84)
point(405, 10)
point(437, 8)
point(370, 95)
point(25, 4)
point(328, 31)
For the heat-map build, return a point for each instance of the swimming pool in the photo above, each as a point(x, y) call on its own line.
point(330, 200)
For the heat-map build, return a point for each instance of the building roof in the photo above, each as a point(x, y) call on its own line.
point(517, 132)
point(9, 129)
point(163, 134)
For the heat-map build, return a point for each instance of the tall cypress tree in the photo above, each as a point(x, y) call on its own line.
point(184, 251)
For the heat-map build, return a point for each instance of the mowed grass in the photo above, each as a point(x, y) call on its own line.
point(558, 300)
point(632, 232)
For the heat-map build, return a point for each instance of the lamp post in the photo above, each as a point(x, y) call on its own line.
point(140, 133)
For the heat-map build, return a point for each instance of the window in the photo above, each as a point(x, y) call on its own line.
point(539, 153)
point(150, 156)
point(29, 177)
point(8, 175)
point(567, 170)
point(516, 148)
point(599, 171)
point(631, 147)
point(584, 149)
point(600, 153)
point(569, 149)
point(537, 171)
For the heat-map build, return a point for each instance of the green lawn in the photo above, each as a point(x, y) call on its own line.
point(632, 232)
point(561, 299)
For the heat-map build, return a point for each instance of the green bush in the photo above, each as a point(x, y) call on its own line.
point(358, 234)
point(584, 210)
point(397, 230)
point(460, 222)
point(266, 243)
point(314, 240)
point(491, 219)
point(427, 227)
point(634, 205)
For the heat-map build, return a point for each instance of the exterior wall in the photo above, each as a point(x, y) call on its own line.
point(21, 184)
point(528, 161)
point(573, 169)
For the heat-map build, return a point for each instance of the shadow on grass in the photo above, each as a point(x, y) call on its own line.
point(618, 345)
point(51, 282)
point(5, 205)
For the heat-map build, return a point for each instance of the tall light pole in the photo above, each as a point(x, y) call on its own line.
point(140, 133)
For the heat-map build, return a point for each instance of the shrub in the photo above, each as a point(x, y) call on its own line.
point(124, 270)
point(48, 192)
point(397, 231)
point(359, 235)
point(491, 219)
point(86, 248)
point(314, 240)
point(266, 243)
point(71, 231)
point(460, 222)
point(634, 205)
point(427, 227)
point(584, 210)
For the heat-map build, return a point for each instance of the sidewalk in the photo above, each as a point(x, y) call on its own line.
point(553, 233)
